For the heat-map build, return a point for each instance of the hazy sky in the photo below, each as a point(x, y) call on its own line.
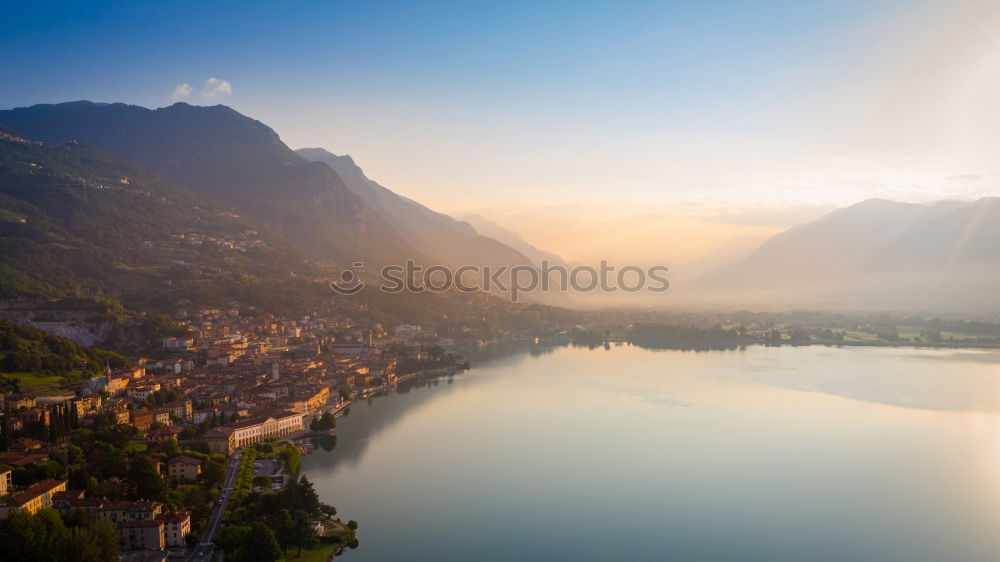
point(659, 129)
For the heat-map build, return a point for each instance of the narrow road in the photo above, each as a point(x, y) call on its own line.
point(205, 547)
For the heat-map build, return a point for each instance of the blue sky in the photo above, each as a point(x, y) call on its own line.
point(528, 111)
point(488, 50)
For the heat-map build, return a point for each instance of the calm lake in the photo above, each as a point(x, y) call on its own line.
point(768, 454)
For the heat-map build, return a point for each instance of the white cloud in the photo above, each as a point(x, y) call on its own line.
point(216, 87)
point(181, 91)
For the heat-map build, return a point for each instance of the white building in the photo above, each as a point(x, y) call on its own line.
point(257, 429)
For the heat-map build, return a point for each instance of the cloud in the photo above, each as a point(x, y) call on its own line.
point(181, 91)
point(216, 87)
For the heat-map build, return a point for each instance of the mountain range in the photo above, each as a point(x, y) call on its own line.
point(877, 253)
point(321, 202)
point(94, 196)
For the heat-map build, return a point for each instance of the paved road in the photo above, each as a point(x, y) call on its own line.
point(205, 546)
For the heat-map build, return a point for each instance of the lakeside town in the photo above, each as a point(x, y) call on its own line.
point(168, 453)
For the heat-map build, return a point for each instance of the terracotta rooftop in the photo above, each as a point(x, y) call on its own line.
point(68, 495)
point(33, 492)
point(175, 516)
point(142, 523)
point(184, 459)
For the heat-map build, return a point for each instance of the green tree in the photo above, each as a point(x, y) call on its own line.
point(309, 499)
point(324, 422)
point(292, 458)
point(261, 546)
point(300, 495)
point(148, 484)
point(171, 448)
point(231, 537)
point(4, 435)
point(212, 472)
point(74, 455)
point(285, 527)
point(74, 416)
point(302, 532)
point(344, 391)
point(42, 536)
point(97, 542)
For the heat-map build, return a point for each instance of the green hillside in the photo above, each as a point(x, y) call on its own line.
point(31, 358)
point(77, 222)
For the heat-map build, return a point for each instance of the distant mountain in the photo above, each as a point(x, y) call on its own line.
point(489, 228)
point(238, 162)
point(76, 222)
point(446, 240)
point(877, 253)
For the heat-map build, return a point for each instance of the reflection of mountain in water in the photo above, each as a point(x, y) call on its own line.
point(690, 346)
point(503, 354)
point(903, 378)
point(366, 420)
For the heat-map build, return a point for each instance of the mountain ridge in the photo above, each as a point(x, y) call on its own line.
point(875, 253)
point(513, 239)
point(236, 160)
point(451, 241)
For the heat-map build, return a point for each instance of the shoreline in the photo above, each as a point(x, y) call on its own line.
point(342, 407)
point(728, 346)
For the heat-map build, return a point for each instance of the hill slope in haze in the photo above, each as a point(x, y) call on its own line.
point(489, 228)
point(448, 241)
point(878, 253)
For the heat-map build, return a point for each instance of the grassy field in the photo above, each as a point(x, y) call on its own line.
point(31, 380)
point(322, 551)
point(319, 553)
point(860, 337)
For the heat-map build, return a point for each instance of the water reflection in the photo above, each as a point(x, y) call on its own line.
point(929, 379)
point(760, 454)
point(364, 421)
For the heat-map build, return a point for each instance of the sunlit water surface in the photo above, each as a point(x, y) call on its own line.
point(794, 454)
